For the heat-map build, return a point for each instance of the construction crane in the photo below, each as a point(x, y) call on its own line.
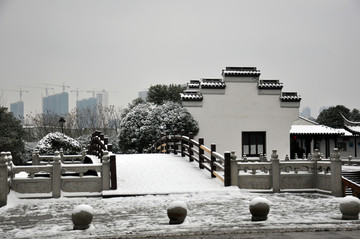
point(39, 87)
point(63, 85)
point(77, 93)
point(20, 92)
point(99, 91)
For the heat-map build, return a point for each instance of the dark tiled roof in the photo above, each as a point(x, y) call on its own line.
point(240, 71)
point(270, 84)
point(191, 96)
point(194, 84)
point(212, 84)
point(290, 96)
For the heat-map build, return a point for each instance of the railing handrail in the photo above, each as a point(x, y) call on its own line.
point(355, 188)
point(195, 150)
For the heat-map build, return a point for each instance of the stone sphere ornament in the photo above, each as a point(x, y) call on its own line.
point(82, 216)
point(259, 209)
point(350, 208)
point(177, 212)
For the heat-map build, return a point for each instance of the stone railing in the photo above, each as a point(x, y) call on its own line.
point(38, 159)
point(258, 173)
point(5, 172)
point(54, 178)
point(280, 175)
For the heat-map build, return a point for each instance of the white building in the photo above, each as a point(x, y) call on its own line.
point(240, 112)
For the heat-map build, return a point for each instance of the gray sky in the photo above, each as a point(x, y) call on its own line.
point(313, 47)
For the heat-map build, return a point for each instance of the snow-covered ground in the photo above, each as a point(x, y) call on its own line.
point(219, 211)
point(160, 174)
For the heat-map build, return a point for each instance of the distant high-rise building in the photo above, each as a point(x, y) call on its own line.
point(306, 112)
point(104, 98)
point(86, 103)
point(56, 104)
point(17, 109)
point(143, 94)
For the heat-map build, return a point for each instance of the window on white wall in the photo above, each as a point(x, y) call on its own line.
point(253, 143)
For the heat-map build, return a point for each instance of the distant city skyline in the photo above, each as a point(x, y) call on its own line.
point(126, 46)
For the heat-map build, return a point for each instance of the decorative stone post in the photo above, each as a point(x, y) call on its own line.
point(350, 208)
point(275, 171)
point(234, 171)
point(3, 179)
point(105, 174)
point(259, 209)
point(336, 174)
point(82, 217)
point(177, 212)
point(35, 157)
point(56, 175)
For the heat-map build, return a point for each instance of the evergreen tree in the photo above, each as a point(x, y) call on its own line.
point(11, 135)
point(355, 115)
point(144, 124)
point(159, 94)
point(332, 116)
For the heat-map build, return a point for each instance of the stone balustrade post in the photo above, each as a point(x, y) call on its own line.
point(4, 187)
point(56, 175)
point(336, 173)
point(61, 155)
point(314, 158)
point(105, 174)
point(83, 155)
point(275, 171)
point(234, 169)
point(35, 157)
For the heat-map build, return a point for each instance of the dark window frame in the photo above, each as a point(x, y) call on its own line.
point(250, 136)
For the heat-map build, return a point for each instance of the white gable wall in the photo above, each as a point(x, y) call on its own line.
point(223, 118)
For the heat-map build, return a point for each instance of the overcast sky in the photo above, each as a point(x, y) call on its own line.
point(313, 47)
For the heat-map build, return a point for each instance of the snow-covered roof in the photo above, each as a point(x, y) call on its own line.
point(315, 129)
point(346, 133)
point(191, 96)
point(353, 129)
point(290, 96)
point(194, 84)
point(270, 84)
point(240, 71)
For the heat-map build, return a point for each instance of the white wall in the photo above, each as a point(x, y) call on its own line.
point(223, 118)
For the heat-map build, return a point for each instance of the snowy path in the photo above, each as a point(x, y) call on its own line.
point(141, 174)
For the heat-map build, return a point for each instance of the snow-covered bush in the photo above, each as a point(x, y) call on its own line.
point(144, 124)
point(55, 141)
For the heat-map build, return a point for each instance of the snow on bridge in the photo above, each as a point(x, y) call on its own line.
point(140, 174)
